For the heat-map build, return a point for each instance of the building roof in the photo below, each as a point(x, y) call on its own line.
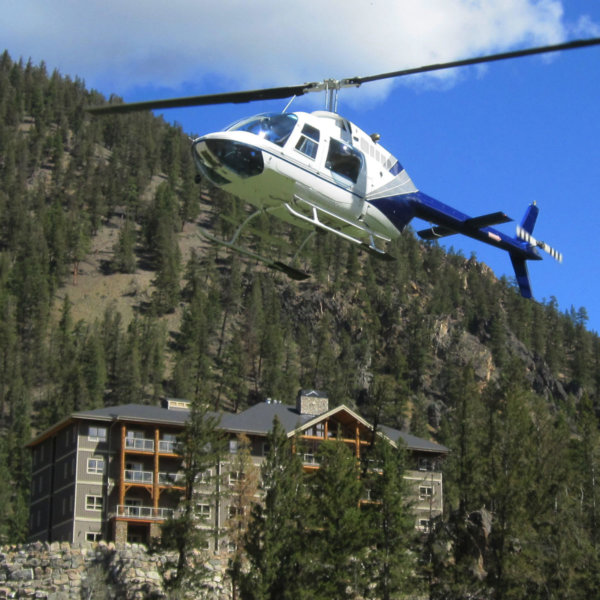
point(256, 420)
point(412, 441)
point(135, 412)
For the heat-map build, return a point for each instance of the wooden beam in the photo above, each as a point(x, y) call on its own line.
point(155, 492)
point(122, 468)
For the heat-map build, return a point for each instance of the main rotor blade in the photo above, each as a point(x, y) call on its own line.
point(475, 61)
point(225, 98)
point(280, 93)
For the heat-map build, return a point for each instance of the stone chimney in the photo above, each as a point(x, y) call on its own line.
point(312, 402)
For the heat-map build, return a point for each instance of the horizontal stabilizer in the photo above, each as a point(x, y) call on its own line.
point(495, 218)
point(435, 232)
point(473, 223)
point(522, 275)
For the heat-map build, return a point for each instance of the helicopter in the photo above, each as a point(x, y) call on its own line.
point(322, 173)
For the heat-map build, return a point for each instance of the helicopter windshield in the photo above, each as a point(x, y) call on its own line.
point(274, 127)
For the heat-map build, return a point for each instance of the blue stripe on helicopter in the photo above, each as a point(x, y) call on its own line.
point(396, 169)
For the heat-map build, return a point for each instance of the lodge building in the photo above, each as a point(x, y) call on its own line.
point(114, 473)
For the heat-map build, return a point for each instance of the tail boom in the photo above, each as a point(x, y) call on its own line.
point(401, 208)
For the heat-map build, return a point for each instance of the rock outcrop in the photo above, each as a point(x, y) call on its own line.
point(59, 571)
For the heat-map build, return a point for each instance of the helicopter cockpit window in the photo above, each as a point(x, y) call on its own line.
point(275, 128)
point(344, 160)
point(309, 141)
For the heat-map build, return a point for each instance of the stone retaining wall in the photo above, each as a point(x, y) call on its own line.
point(59, 571)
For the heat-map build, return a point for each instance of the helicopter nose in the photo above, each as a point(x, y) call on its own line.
point(242, 159)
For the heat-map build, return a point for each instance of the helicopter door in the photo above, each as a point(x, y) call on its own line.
point(345, 162)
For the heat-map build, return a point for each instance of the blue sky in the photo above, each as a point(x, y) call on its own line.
point(481, 139)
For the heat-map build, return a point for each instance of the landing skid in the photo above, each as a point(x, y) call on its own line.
point(314, 220)
point(276, 265)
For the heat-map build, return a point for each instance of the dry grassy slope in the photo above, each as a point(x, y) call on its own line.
point(94, 291)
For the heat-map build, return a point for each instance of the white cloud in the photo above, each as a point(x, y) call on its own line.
point(117, 46)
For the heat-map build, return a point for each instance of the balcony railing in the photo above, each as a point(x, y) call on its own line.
point(144, 512)
point(168, 446)
point(134, 476)
point(143, 444)
point(171, 479)
point(147, 445)
point(310, 459)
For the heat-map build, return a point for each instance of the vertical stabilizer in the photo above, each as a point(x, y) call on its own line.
point(528, 222)
point(521, 273)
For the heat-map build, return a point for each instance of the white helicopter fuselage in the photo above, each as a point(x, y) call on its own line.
point(318, 165)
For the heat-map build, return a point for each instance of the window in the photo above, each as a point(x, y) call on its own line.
point(425, 492)
point(317, 430)
point(308, 143)
point(344, 160)
point(135, 434)
point(204, 510)
point(96, 434)
point(236, 511)
point(95, 466)
point(275, 127)
point(93, 536)
point(93, 502)
point(424, 525)
point(236, 476)
point(424, 464)
point(233, 446)
point(204, 477)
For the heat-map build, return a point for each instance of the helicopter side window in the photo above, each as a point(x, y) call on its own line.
point(344, 160)
point(308, 143)
point(275, 128)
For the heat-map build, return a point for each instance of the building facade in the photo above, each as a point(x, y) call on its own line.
point(114, 473)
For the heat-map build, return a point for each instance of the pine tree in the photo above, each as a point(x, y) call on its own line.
point(201, 446)
point(390, 523)
point(339, 535)
point(124, 259)
point(277, 534)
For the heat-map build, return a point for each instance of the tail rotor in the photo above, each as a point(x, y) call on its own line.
point(524, 235)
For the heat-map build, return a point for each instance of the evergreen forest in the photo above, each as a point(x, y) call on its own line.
point(108, 296)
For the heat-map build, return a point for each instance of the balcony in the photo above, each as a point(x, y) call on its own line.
point(177, 479)
point(144, 512)
point(309, 459)
point(139, 444)
point(147, 445)
point(168, 446)
point(135, 476)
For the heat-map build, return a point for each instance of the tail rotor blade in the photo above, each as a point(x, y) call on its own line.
point(527, 237)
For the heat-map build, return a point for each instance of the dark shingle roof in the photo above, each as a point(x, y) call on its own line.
point(136, 412)
point(412, 441)
point(257, 420)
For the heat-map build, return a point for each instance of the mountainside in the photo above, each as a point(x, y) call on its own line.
point(108, 295)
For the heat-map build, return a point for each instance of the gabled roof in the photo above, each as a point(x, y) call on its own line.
point(256, 420)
